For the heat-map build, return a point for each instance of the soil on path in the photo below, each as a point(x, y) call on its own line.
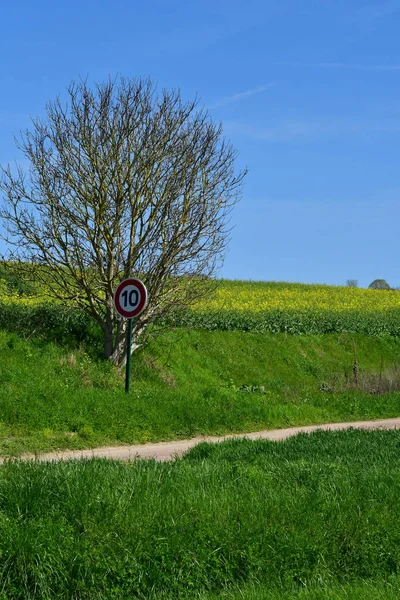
point(168, 450)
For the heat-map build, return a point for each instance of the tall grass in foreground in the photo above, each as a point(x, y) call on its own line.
point(317, 512)
point(384, 589)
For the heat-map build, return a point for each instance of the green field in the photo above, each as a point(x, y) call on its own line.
point(261, 307)
point(316, 516)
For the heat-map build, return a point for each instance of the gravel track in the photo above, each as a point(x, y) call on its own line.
point(168, 450)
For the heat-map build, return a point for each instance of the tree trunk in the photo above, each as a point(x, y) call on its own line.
point(115, 343)
point(108, 342)
point(118, 355)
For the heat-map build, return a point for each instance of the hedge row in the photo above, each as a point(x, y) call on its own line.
point(66, 325)
point(293, 322)
point(54, 322)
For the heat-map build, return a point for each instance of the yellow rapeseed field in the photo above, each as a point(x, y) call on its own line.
point(260, 297)
point(14, 298)
point(253, 297)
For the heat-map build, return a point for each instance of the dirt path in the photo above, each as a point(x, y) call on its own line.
point(168, 450)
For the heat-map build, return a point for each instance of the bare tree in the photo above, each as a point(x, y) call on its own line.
point(123, 182)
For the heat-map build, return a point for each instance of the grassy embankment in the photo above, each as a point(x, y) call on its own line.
point(196, 381)
point(313, 517)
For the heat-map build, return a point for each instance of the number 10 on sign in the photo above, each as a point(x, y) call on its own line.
point(130, 299)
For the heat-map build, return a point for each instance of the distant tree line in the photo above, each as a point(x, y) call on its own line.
point(377, 284)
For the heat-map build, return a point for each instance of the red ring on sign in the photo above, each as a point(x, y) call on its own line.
point(141, 288)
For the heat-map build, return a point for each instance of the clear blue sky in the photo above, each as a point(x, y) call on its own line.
point(308, 92)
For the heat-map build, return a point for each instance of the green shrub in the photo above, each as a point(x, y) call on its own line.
point(14, 284)
point(53, 322)
point(294, 322)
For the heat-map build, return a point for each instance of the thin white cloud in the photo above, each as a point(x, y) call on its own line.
point(285, 131)
point(309, 130)
point(360, 67)
point(340, 65)
point(238, 97)
point(371, 13)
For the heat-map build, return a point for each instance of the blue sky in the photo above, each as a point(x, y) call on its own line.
point(308, 92)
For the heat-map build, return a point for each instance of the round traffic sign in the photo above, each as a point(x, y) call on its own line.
point(130, 298)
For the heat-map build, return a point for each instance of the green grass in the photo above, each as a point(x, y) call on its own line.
point(295, 322)
point(316, 516)
point(187, 383)
point(385, 589)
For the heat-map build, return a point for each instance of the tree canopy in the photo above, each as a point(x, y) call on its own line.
point(123, 181)
point(379, 284)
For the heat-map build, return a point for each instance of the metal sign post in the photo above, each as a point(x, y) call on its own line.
point(130, 299)
point(128, 355)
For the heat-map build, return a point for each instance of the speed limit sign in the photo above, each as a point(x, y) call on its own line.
point(130, 298)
